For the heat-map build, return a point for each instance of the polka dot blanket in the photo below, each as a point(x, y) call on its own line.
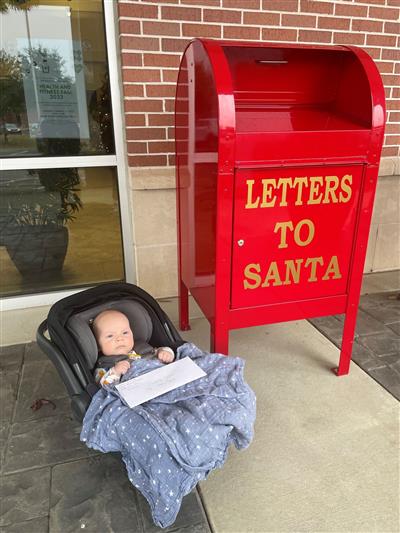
point(170, 443)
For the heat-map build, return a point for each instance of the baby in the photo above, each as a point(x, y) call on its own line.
point(115, 341)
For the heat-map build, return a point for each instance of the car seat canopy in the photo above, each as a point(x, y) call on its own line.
point(79, 325)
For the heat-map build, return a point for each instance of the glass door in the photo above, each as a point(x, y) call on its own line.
point(61, 164)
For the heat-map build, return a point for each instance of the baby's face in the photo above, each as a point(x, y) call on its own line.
point(113, 333)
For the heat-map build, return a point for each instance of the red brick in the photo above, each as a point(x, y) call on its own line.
point(135, 106)
point(137, 147)
point(387, 92)
point(381, 40)
point(139, 43)
point(333, 23)
point(171, 133)
point(394, 116)
point(174, 45)
point(270, 34)
point(135, 119)
point(261, 19)
point(171, 160)
point(392, 104)
point(388, 151)
point(241, 4)
point(140, 74)
point(397, 68)
point(203, 2)
point(281, 5)
point(161, 147)
point(396, 92)
point(130, 27)
point(147, 160)
point(133, 90)
point(169, 106)
point(380, 2)
point(391, 54)
point(161, 60)
point(141, 134)
point(131, 60)
point(221, 15)
point(170, 76)
point(201, 30)
point(395, 3)
point(392, 128)
point(241, 32)
point(392, 140)
point(161, 28)
point(346, 10)
point(392, 27)
point(385, 67)
point(367, 25)
point(299, 21)
point(375, 53)
point(313, 36)
point(180, 13)
point(137, 11)
point(155, 91)
point(348, 38)
point(390, 80)
point(165, 119)
point(384, 13)
point(314, 6)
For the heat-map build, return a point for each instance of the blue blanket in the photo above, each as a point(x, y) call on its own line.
point(170, 443)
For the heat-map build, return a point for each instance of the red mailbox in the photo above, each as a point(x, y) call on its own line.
point(277, 156)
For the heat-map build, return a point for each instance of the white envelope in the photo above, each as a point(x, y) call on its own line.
point(138, 390)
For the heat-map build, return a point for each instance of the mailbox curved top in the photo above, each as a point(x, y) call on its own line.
point(287, 102)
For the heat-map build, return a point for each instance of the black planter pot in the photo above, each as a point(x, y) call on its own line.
point(37, 250)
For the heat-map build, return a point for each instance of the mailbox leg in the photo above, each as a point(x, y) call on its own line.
point(347, 341)
point(219, 340)
point(183, 307)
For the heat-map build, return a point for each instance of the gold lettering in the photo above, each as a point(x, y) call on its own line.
point(332, 183)
point(299, 182)
point(311, 232)
point(292, 270)
point(345, 183)
point(284, 182)
point(315, 185)
point(252, 272)
point(267, 201)
point(272, 275)
point(283, 226)
point(313, 261)
point(250, 204)
point(333, 268)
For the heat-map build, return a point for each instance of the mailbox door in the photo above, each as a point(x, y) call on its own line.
point(293, 233)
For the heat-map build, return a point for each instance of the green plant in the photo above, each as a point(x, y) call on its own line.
point(23, 5)
point(53, 201)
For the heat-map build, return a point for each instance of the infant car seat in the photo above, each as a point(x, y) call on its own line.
point(67, 339)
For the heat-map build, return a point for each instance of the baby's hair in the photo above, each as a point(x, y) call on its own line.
point(93, 321)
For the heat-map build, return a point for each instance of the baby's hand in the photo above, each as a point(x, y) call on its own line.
point(164, 356)
point(121, 368)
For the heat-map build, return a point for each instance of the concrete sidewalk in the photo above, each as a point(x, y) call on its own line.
point(325, 457)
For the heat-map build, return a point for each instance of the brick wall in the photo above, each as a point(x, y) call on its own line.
point(153, 35)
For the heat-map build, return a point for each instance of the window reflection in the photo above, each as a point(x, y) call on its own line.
point(59, 228)
point(55, 95)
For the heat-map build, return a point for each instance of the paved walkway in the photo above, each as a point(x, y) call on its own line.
point(376, 347)
point(52, 483)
